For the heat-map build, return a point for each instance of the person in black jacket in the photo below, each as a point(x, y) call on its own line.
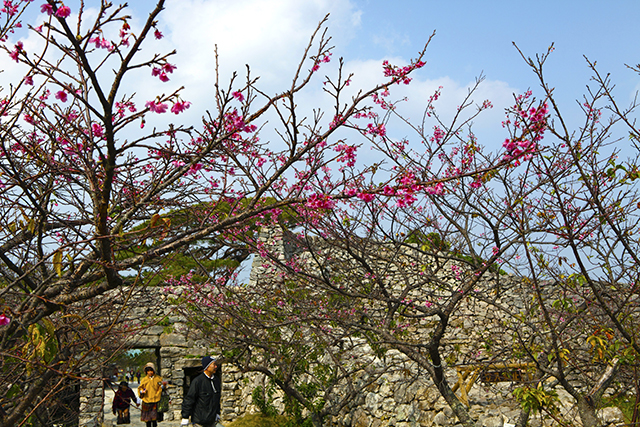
point(202, 402)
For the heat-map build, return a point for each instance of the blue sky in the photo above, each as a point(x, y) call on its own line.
point(476, 36)
point(472, 37)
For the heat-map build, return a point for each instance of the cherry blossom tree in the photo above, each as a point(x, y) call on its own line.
point(365, 270)
point(94, 199)
point(534, 244)
point(579, 242)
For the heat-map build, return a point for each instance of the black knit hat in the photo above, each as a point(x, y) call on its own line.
point(207, 360)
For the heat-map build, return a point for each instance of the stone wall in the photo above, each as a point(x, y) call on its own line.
point(395, 399)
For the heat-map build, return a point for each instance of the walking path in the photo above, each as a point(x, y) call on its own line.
point(110, 419)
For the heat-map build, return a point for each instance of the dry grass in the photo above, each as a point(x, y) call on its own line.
point(258, 420)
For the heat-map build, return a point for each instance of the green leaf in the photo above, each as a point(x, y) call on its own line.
point(57, 262)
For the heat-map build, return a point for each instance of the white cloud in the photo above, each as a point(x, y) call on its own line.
point(487, 126)
point(270, 36)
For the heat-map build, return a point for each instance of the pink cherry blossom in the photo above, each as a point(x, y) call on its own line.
point(157, 72)
point(238, 96)
point(46, 8)
point(477, 183)
point(101, 43)
point(4, 320)
point(28, 80)
point(61, 95)
point(97, 130)
point(180, 106)
point(63, 12)
point(157, 34)
point(400, 74)
point(436, 189)
point(366, 197)
point(16, 51)
point(161, 72)
point(4, 103)
point(438, 135)
point(156, 107)
point(376, 130)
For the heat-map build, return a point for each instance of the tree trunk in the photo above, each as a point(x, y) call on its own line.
point(316, 419)
point(523, 418)
point(456, 406)
point(587, 413)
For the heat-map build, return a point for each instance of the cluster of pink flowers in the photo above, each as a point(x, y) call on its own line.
point(405, 190)
point(376, 130)
point(16, 51)
point(161, 72)
point(477, 182)
point(194, 169)
point(400, 73)
point(124, 33)
point(347, 154)
point(10, 8)
point(379, 99)
point(62, 12)
point(234, 122)
point(122, 106)
point(316, 64)
point(365, 115)
point(160, 107)
point(336, 121)
point(101, 43)
point(4, 104)
point(437, 188)
point(366, 197)
point(320, 201)
point(97, 130)
point(532, 121)
point(438, 135)
point(180, 106)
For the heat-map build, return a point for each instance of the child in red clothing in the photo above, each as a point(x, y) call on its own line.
point(122, 403)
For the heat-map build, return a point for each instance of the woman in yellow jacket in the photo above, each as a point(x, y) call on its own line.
point(150, 389)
